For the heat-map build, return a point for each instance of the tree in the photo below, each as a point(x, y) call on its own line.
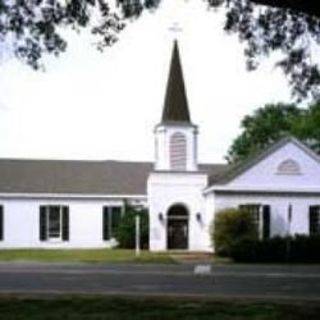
point(125, 233)
point(272, 122)
point(35, 27)
point(264, 127)
point(289, 26)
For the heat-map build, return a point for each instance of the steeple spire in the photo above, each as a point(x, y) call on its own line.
point(175, 104)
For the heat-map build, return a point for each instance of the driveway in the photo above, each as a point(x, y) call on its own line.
point(225, 281)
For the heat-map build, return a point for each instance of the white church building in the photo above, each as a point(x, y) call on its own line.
point(78, 204)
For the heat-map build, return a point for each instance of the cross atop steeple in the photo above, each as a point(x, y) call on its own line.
point(175, 104)
point(175, 28)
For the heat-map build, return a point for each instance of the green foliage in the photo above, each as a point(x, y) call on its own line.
point(35, 28)
point(286, 26)
point(299, 249)
point(229, 227)
point(125, 233)
point(272, 122)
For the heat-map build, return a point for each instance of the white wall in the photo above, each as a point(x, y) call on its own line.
point(167, 189)
point(264, 174)
point(21, 222)
point(279, 204)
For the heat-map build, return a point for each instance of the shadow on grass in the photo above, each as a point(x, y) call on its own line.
point(112, 308)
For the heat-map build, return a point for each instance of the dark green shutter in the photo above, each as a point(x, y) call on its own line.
point(314, 220)
point(1, 224)
point(43, 224)
point(105, 223)
point(266, 222)
point(65, 223)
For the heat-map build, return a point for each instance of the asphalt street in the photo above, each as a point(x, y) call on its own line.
point(245, 281)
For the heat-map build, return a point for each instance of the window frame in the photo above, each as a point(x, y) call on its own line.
point(257, 214)
point(49, 215)
point(107, 216)
point(262, 212)
point(48, 236)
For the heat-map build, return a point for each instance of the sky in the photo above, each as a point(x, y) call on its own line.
point(101, 106)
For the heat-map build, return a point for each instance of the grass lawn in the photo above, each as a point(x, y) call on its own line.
point(116, 308)
point(84, 255)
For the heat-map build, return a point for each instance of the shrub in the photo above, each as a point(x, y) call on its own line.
point(300, 248)
point(125, 233)
point(229, 227)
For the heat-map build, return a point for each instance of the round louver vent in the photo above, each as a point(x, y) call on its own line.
point(289, 167)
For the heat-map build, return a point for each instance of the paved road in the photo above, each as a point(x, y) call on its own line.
point(246, 281)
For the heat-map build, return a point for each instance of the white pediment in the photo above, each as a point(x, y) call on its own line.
point(292, 165)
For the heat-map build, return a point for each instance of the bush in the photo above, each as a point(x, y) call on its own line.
point(125, 233)
point(301, 249)
point(229, 227)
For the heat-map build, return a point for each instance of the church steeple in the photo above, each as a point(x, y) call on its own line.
point(176, 137)
point(176, 103)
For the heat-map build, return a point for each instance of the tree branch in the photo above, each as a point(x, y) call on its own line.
point(308, 7)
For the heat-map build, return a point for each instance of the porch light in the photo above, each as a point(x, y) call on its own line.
point(198, 217)
point(160, 216)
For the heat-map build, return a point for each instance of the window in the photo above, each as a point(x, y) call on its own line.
point(178, 151)
point(1, 224)
point(261, 217)
point(111, 221)
point(289, 167)
point(314, 220)
point(54, 223)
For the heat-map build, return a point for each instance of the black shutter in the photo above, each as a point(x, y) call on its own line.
point(65, 223)
point(266, 222)
point(105, 224)
point(43, 224)
point(314, 220)
point(1, 224)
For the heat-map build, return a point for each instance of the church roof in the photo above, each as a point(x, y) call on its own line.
point(175, 104)
point(117, 178)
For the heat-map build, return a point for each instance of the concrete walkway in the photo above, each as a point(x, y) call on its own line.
point(225, 281)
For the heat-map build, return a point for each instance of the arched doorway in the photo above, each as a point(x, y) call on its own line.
point(177, 227)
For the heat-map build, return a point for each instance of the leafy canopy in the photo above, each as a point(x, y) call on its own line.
point(272, 122)
point(289, 26)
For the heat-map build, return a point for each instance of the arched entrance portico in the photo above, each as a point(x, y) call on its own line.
point(177, 227)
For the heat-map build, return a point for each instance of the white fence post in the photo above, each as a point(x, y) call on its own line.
point(137, 235)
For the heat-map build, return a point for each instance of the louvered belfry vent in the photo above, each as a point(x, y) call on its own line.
point(178, 152)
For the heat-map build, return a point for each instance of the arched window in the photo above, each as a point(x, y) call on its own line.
point(289, 167)
point(178, 211)
point(178, 151)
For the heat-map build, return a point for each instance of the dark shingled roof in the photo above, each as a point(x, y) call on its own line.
point(175, 104)
point(78, 177)
point(75, 177)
